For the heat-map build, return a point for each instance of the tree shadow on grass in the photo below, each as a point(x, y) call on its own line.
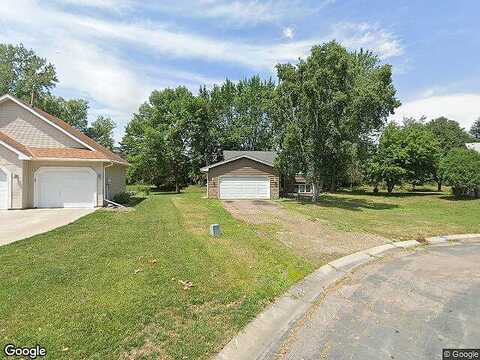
point(136, 200)
point(347, 204)
point(460, 199)
point(418, 193)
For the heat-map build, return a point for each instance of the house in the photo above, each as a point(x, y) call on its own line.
point(45, 162)
point(250, 175)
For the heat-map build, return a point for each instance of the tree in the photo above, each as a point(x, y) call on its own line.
point(461, 170)
point(24, 74)
point(101, 130)
point(242, 113)
point(328, 104)
point(389, 162)
point(450, 135)
point(158, 137)
point(422, 151)
point(475, 129)
point(73, 111)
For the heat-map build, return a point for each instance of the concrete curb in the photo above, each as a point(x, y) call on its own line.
point(264, 334)
point(448, 238)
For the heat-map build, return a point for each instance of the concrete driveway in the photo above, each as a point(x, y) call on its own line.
point(20, 224)
point(408, 306)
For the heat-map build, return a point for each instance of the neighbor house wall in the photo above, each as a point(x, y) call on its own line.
point(116, 180)
point(29, 130)
point(242, 167)
point(35, 165)
point(9, 160)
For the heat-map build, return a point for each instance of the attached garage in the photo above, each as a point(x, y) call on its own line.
point(65, 187)
point(243, 175)
point(244, 187)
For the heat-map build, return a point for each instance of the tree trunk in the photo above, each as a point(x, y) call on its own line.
point(375, 188)
point(439, 185)
point(390, 187)
point(317, 188)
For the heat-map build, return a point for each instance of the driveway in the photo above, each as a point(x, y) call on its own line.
point(406, 306)
point(307, 237)
point(20, 224)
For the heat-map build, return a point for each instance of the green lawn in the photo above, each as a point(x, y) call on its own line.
point(108, 286)
point(404, 215)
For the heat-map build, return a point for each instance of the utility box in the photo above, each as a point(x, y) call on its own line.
point(215, 230)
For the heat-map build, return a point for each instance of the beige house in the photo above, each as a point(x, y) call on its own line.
point(45, 162)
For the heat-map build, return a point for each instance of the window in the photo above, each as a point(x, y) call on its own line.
point(304, 188)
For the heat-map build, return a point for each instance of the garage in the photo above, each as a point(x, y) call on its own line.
point(65, 187)
point(244, 187)
point(4, 189)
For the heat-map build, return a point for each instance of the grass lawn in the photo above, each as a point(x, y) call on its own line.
point(404, 215)
point(108, 286)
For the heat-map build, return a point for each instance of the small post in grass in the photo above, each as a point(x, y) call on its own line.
point(215, 230)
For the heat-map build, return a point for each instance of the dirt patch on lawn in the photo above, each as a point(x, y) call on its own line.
point(309, 238)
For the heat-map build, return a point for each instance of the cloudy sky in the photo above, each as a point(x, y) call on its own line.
point(115, 52)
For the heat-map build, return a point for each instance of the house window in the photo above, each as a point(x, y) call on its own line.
point(304, 188)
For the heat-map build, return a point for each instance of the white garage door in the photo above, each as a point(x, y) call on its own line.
point(4, 189)
point(244, 187)
point(65, 188)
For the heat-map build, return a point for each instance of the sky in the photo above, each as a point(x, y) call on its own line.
point(113, 53)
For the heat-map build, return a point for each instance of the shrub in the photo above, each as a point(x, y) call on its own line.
point(461, 170)
point(122, 198)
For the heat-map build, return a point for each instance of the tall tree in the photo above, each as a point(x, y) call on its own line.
point(72, 111)
point(158, 137)
point(101, 130)
point(450, 135)
point(475, 129)
point(242, 111)
point(422, 150)
point(24, 74)
point(327, 104)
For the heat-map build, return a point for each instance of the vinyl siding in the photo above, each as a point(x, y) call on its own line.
point(115, 176)
point(29, 130)
point(9, 160)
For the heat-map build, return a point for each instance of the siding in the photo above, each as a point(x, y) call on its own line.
point(242, 167)
point(34, 165)
point(9, 160)
point(115, 176)
point(29, 130)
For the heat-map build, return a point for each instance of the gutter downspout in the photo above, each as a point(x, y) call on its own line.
point(105, 182)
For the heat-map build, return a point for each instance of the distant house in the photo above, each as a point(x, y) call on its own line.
point(473, 146)
point(250, 175)
point(45, 162)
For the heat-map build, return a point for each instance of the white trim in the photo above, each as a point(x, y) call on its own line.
point(206, 168)
point(9, 188)
point(21, 155)
point(62, 168)
point(268, 178)
point(8, 97)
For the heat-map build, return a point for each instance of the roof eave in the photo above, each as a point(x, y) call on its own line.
point(207, 168)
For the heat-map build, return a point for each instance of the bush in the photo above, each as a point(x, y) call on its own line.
point(461, 170)
point(122, 198)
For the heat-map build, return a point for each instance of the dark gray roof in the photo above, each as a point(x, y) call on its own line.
point(263, 156)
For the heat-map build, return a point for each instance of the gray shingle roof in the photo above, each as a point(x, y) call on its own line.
point(263, 156)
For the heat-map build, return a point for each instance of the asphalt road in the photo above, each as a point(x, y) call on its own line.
point(409, 306)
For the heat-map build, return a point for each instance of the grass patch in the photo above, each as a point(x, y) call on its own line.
point(403, 215)
point(108, 286)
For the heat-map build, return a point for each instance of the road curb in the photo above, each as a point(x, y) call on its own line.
point(449, 238)
point(263, 334)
